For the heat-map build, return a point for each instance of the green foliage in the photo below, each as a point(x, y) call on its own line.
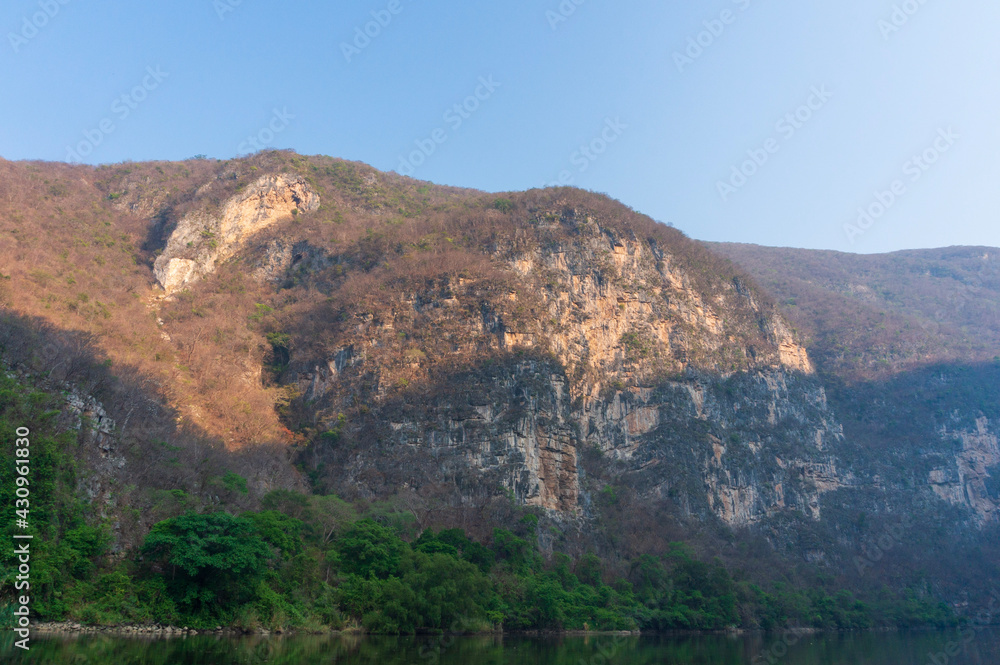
point(503, 205)
point(589, 569)
point(234, 483)
point(260, 312)
point(432, 592)
point(514, 552)
point(64, 546)
point(369, 549)
point(279, 340)
point(455, 543)
point(212, 561)
point(82, 545)
point(123, 595)
point(330, 515)
point(278, 530)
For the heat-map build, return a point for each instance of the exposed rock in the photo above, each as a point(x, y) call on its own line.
point(284, 260)
point(619, 316)
point(202, 240)
point(965, 482)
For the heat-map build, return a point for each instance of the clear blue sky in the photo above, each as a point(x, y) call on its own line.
point(609, 68)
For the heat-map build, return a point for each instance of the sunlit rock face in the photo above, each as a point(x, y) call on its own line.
point(203, 240)
point(702, 395)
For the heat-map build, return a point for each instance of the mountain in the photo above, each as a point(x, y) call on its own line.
point(908, 346)
point(868, 316)
point(305, 322)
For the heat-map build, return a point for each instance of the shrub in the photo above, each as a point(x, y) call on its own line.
point(503, 205)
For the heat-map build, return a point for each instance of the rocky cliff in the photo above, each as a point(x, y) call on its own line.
point(599, 340)
point(205, 238)
point(551, 350)
point(909, 342)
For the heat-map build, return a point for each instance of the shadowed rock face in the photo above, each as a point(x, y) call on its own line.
point(962, 480)
point(619, 352)
point(203, 240)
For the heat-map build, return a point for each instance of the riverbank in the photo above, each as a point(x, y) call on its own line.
point(156, 630)
point(503, 649)
point(70, 627)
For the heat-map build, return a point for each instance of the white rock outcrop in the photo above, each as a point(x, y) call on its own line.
point(202, 241)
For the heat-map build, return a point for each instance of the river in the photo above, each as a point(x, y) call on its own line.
point(904, 648)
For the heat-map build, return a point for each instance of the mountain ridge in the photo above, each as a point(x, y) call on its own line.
point(455, 350)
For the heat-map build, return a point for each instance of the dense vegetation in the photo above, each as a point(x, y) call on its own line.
point(318, 563)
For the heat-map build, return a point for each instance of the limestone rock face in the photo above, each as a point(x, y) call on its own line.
point(704, 396)
point(614, 300)
point(201, 240)
point(963, 481)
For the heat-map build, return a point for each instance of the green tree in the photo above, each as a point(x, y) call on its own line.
point(212, 561)
point(330, 515)
point(278, 530)
point(369, 549)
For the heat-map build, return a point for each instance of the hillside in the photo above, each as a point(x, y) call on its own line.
point(235, 330)
point(907, 343)
point(908, 347)
point(865, 316)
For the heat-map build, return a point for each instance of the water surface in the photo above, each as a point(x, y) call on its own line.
point(924, 648)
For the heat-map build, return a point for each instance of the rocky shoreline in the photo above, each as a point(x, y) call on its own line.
point(154, 630)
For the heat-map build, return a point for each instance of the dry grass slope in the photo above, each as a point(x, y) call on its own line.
point(77, 244)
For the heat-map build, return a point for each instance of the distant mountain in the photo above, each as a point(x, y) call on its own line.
point(874, 315)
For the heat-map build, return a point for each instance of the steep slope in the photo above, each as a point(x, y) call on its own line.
point(597, 339)
point(461, 351)
point(908, 345)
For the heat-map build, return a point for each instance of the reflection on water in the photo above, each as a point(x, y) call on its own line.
point(979, 648)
